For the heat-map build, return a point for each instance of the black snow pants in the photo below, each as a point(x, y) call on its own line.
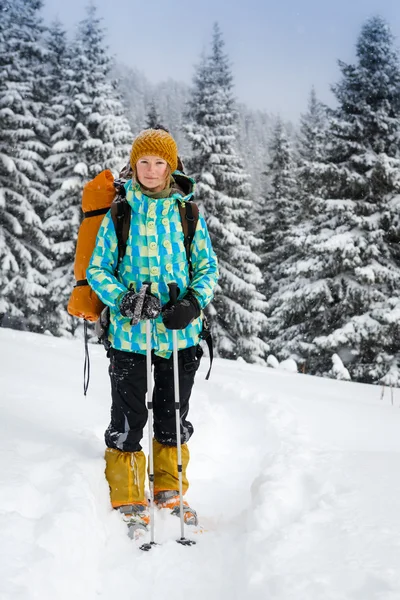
point(128, 391)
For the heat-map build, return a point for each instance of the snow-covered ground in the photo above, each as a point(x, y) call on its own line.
point(295, 478)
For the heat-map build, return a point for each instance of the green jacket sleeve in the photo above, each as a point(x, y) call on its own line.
point(205, 265)
point(103, 263)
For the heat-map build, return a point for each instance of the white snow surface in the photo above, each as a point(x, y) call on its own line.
point(295, 478)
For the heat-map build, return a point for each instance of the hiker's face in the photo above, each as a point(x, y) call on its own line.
point(152, 172)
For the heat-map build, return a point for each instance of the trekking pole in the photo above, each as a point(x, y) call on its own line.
point(173, 296)
point(150, 426)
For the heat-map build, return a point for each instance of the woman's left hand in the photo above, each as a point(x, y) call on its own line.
point(180, 314)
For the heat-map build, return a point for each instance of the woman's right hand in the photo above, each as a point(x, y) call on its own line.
point(151, 306)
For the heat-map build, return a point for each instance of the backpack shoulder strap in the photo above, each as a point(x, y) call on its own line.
point(189, 213)
point(121, 216)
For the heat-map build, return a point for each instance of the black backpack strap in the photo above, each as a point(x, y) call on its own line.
point(121, 216)
point(86, 366)
point(207, 337)
point(189, 213)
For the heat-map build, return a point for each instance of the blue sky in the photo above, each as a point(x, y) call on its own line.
point(278, 49)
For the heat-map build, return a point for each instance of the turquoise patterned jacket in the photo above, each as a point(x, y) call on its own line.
point(155, 252)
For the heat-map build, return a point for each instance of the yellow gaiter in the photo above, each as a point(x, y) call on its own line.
point(166, 467)
point(125, 473)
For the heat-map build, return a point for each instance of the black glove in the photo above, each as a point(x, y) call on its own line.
point(128, 304)
point(151, 307)
point(180, 314)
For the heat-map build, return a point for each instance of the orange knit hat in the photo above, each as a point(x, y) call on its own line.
point(155, 142)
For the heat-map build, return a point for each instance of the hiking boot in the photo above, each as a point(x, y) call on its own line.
point(137, 517)
point(170, 499)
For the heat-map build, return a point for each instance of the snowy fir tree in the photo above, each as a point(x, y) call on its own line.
point(101, 127)
point(312, 132)
point(24, 264)
point(63, 215)
point(343, 298)
point(280, 209)
point(153, 118)
point(312, 153)
point(294, 183)
point(254, 135)
point(223, 193)
point(92, 134)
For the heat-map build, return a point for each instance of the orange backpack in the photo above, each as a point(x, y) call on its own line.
point(97, 197)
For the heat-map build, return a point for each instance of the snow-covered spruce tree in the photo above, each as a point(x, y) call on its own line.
point(24, 265)
point(312, 153)
point(101, 124)
point(152, 117)
point(254, 134)
point(63, 215)
point(223, 193)
point(345, 298)
point(92, 134)
point(294, 186)
point(280, 209)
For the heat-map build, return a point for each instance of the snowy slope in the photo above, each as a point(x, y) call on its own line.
point(296, 479)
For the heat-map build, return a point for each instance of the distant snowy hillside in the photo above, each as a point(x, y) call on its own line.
point(295, 478)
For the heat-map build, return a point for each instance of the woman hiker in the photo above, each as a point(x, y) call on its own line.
point(155, 253)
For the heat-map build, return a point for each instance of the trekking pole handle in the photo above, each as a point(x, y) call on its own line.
point(173, 292)
point(148, 286)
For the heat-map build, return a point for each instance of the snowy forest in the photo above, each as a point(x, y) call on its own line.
point(304, 217)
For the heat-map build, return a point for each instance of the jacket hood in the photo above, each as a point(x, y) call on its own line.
point(184, 186)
